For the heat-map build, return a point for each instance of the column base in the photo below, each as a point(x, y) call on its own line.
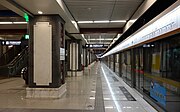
point(74, 73)
point(46, 92)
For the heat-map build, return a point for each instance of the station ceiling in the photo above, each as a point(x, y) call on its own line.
point(102, 10)
point(86, 10)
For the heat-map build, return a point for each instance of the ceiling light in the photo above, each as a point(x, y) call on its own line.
point(92, 98)
point(40, 12)
point(89, 8)
point(5, 22)
point(84, 38)
point(106, 21)
point(110, 107)
point(133, 20)
point(101, 39)
point(93, 91)
point(19, 22)
point(118, 21)
point(85, 21)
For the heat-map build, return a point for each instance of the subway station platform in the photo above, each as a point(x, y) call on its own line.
point(98, 90)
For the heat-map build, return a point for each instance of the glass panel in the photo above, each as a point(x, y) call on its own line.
point(162, 71)
point(128, 67)
point(117, 64)
point(123, 64)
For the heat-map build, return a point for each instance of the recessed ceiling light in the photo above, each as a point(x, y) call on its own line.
point(89, 8)
point(40, 12)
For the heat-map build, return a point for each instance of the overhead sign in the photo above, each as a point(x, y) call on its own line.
point(96, 45)
point(11, 42)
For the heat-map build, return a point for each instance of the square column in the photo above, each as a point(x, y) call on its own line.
point(46, 59)
point(74, 58)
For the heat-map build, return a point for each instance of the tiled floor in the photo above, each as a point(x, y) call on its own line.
point(96, 91)
point(116, 100)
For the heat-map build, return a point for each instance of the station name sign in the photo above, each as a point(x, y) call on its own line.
point(11, 42)
point(96, 46)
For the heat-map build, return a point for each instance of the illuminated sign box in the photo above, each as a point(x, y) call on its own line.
point(11, 42)
point(96, 45)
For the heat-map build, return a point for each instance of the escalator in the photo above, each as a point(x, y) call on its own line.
point(11, 66)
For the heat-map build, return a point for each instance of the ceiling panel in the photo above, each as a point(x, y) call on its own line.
point(87, 10)
point(98, 10)
point(11, 37)
point(123, 10)
point(3, 8)
point(99, 42)
point(84, 10)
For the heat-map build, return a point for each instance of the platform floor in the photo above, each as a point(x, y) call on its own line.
point(98, 90)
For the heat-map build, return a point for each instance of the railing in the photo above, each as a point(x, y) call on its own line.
point(15, 66)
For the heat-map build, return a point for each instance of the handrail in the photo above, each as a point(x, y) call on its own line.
point(18, 57)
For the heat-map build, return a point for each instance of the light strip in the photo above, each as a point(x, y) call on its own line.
point(19, 22)
point(111, 91)
point(13, 22)
point(84, 38)
point(118, 21)
point(101, 39)
point(105, 21)
point(85, 22)
point(6, 23)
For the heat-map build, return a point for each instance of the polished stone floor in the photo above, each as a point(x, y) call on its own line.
point(98, 90)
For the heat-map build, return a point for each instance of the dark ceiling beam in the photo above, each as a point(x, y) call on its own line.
point(20, 8)
point(8, 13)
point(13, 31)
point(100, 30)
point(69, 35)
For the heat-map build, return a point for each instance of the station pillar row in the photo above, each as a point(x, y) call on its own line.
point(46, 66)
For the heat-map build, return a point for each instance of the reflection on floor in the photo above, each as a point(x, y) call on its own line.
point(98, 90)
point(119, 97)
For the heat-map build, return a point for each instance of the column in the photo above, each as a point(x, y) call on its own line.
point(46, 57)
point(74, 58)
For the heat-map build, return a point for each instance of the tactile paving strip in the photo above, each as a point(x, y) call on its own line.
point(127, 94)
